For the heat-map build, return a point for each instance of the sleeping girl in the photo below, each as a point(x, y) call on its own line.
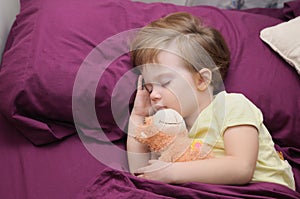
point(183, 64)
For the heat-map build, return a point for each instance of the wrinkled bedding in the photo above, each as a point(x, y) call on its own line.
point(116, 184)
point(45, 155)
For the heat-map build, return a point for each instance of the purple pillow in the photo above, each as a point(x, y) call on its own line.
point(42, 86)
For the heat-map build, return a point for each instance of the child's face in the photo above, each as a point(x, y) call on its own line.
point(171, 85)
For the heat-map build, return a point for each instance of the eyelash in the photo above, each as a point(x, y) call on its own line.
point(149, 87)
point(166, 83)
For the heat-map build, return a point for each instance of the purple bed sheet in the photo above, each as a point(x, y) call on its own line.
point(66, 170)
point(115, 184)
point(58, 170)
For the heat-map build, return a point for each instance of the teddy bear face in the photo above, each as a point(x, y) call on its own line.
point(169, 122)
point(165, 133)
point(161, 129)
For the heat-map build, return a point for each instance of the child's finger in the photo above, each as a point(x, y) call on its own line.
point(141, 176)
point(140, 83)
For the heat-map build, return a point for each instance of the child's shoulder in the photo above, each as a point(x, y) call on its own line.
point(236, 98)
point(231, 96)
point(235, 102)
point(236, 108)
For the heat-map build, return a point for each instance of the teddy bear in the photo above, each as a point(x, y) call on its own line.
point(165, 134)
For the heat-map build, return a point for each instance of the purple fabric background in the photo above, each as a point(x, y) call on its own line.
point(45, 49)
point(58, 170)
point(50, 40)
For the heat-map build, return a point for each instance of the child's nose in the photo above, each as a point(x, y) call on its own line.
point(155, 93)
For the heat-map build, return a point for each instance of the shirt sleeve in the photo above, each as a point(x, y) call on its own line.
point(240, 111)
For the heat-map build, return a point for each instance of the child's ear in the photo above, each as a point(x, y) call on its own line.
point(203, 79)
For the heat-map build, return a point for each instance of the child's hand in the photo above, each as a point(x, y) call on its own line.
point(157, 170)
point(142, 104)
point(138, 153)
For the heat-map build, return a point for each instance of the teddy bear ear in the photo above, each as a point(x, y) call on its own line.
point(169, 121)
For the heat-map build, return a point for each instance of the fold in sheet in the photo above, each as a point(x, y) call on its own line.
point(112, 183)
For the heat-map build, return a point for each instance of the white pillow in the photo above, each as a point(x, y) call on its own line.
point(284, 39)
point(225, 4)
point(8, 11)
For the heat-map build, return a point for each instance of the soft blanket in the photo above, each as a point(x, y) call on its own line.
point(112, 183)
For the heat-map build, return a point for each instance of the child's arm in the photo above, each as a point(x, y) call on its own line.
point(236, 167)
point(138, 154)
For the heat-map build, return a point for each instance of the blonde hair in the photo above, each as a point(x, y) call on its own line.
point(198, 45)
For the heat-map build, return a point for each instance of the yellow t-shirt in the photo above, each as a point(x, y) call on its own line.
point(228, 110)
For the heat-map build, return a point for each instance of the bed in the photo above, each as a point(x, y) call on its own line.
point(67, 87)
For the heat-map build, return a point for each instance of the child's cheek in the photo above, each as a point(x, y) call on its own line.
point(184, 92)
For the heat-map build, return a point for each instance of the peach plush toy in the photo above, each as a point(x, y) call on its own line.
point(166, 134)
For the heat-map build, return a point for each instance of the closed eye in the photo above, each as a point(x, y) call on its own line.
point(166, 83)
point(149, 87)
